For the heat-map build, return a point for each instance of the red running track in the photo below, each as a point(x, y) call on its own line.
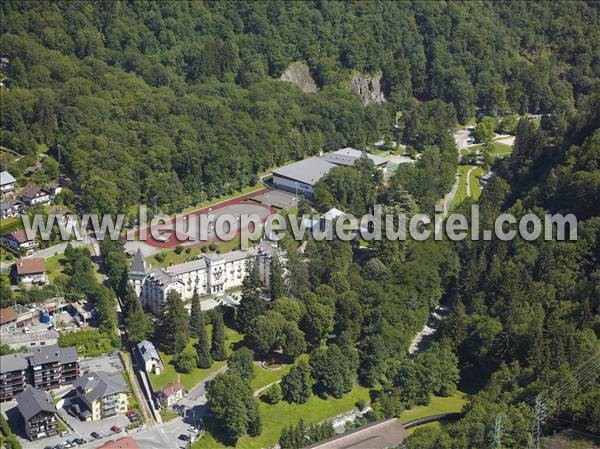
point(173, 241)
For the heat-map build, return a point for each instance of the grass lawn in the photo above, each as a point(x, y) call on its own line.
point(433, 425)
point(263, 377)
point(190, 380)
point(167, 415)
point(54, 266)
point(438, 405)
point(10, 224)
point(276, 417)
point(171, 257)
point(501, 149)
point(461, 192)
point(475, 187)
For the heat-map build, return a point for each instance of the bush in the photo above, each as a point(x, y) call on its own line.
point(178, 249)
point(204, 248)
point(212, 246)
point(273, 394)
point(185, 362)
point(188, 250)
point(360, 405)
point(159, 257)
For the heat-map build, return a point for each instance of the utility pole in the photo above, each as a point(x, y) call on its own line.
point(534, 439)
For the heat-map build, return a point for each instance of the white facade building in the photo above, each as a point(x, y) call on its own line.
point(209, 274)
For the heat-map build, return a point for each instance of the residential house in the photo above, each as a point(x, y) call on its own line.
point(19, 241)
point(38, 413)
point(170, 394)
point(10, 207)
point(31, 271)
point(13, 375)
point(16, 316)
point(54, 188)
point(150, 358)
point(34, 195)
point(53, 366)
point(102, 394)
point(7, 183)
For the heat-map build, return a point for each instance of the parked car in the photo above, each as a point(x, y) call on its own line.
point(128, 413)
point(134, 418)
point(184, 437)
point(95, 435)
point(80, 441)
point(116, 429)
point(67, 444)
point(59, 446)
point(192, 429)
point(64, 433)
point(49, 447)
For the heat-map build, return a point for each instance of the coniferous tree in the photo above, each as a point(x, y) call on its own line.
point(277, 279)
point(242, 362)
point(203, 346)
point(297, 384)
point(196, 319)
point(138, 324)
point(218, 351)
point(251, 307)
point(174, 329)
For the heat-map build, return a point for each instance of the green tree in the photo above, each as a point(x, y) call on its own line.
point(332, 370)
point(203, 346)
point(185, 362)
point(231, 401)
point(242, 362)
point(196, 318)
point(277, 279)
point(218, 350)
point(174, 326)
point(296, 386)
point(273, 394)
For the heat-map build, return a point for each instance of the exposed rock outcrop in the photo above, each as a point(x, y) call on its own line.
point(368, 87)
point(298, 73)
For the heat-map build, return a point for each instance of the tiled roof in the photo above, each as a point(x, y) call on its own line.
point(19, 235)
point(32, 192)
point(7, 315)
point(30, 266)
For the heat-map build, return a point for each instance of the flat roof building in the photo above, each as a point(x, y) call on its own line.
point(301, 177)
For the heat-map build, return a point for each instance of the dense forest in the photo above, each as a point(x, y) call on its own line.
point(527, 314)
point(180, 99)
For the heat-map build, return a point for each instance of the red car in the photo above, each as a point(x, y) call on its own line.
point(116, 429)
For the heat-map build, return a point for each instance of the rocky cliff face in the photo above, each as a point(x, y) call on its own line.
point(368, 87)
point(299, 74)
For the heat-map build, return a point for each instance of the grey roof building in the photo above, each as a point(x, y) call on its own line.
point(308, 171)
point(138, 265)
point(13, 374)
point(96, 385)
point(150, 357)
point(38, 413)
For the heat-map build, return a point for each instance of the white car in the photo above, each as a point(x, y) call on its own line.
point(67, 444)
point(192, 429)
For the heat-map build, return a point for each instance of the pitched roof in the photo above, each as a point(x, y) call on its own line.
point(148, 351)
point(169, 389)
point(308, 171)
point(33, 191)
point(99, 384)
point(8, 203)
point(353, 152)
point(13, 362)
point(19, 235)
point(32, 401)
point(138, 265)
point(30, 266)
point(7, 315)
point(6, 178)
point(47, 354)
point(122, 443)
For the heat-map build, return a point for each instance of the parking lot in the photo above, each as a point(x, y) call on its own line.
point(109, 364)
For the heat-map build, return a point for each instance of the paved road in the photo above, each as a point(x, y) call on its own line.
point(59, 249)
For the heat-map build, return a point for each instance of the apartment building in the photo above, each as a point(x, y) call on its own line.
point(102, 394)
point(44, 367)
point(13, 375)
point(52, 366)
point(38, 413)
